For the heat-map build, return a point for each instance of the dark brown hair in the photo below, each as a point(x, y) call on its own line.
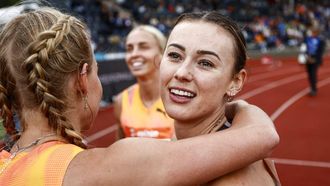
point(226, 23)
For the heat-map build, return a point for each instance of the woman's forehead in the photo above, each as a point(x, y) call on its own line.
point(202, 35)
point(140, 35)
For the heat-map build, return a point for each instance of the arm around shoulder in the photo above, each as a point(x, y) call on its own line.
point(142, 161)
point(247, 116)
point(191, 161)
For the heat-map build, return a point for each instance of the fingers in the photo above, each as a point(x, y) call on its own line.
point(233, 107)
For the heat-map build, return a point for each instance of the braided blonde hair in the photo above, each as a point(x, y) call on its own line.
point(7, 88)
point(52, 48)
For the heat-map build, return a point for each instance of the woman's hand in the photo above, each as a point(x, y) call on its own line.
point(242, 115)
point(232, 108)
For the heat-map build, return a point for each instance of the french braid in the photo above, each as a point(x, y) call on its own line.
point(7, 87)
point(57, 49)
point(5, 104)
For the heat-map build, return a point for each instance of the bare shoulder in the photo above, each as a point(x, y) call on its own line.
point(85, 167)
point(252, 175)
point(118, 98)
point(117, 105)
point(95, 166)
point(112, 165)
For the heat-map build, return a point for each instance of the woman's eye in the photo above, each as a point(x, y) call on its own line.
point(129, 49)
point(206, 63)
point(174, 56)
point(144, 47)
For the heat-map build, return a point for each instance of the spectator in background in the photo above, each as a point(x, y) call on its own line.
point(280, 26)
point(315, 45)
point(139, 109)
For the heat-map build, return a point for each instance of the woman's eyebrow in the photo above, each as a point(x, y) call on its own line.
point(208, 52)
point(177, 46)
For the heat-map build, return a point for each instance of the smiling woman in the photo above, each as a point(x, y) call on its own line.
point(139, 109)
point(202, 67)
point(200, 72)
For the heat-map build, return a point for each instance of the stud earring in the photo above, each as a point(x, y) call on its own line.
point(85, 102)
point(230, 96)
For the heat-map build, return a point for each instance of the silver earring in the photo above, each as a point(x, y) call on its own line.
point(85, 102)
point(230, 96)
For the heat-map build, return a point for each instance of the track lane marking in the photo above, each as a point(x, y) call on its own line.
point(275, 84)
point(283, 161)
point(257, 77)
point(101, 133)
point(272, 85)
point(295, 98)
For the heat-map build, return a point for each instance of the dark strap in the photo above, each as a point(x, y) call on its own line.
point(226, 125)
point(270, 167)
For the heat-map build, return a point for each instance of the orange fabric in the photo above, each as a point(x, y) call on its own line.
point(139, 121)
point(45, 165)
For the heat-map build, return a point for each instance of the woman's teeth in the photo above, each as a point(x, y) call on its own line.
point(182, 93)
point(137, 63)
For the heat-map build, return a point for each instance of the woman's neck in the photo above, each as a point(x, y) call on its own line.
point(149, 90)
point(35, 126)
point(210, 124)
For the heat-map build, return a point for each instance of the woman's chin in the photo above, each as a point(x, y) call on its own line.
point(179, 116)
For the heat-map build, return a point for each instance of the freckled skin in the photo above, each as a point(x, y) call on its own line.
point(191, 72)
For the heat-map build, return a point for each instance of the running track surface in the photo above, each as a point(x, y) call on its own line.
point(279, 86)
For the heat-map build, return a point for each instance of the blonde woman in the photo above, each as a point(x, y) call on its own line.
point(139, 109)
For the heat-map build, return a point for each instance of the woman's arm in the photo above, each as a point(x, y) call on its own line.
point(117, 113)
point(255, 174)
point(141, 161)
point(241, 113)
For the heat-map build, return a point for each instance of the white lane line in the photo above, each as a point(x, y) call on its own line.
point(278, 83)
point(101, 133)
point(268, 65)
point(254, 78)
point(295, 98)
point(272, 85)
point(288, 103)
point(302, 162)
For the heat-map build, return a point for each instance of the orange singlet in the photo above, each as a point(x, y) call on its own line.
point(138, 121)
point(43, 166)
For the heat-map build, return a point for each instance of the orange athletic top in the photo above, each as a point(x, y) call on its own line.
point(138, 121)
point(43, 166)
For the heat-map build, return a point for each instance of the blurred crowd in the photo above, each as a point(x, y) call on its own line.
point(267, 24)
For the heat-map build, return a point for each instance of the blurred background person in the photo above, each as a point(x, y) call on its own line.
point(139, 109)
point(315, 47)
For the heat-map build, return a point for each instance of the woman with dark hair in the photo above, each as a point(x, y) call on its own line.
point(203, 69)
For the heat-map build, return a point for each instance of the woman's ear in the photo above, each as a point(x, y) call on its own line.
point(237, 83)
point(82, 79)
point(157, 60)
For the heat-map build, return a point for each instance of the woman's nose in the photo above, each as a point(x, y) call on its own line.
point(184, 72)
point(133, 52)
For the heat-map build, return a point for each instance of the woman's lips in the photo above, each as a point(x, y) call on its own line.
point(180, 95)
